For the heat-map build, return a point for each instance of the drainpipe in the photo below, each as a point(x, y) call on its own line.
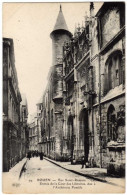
point(99, 57)
point(92, 17)
point(92, 121)
point(72, 141)
point(100, 111)
point(91, 100)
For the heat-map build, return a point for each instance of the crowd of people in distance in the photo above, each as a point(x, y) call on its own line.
point(35, 153)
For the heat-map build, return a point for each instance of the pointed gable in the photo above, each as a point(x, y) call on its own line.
point(60, 23)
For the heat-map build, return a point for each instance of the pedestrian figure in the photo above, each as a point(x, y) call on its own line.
point(33, 153)
point(36, 154)
point(29, 155)
point(83, 162)
point(41, 155)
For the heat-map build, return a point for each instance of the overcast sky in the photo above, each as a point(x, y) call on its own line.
point(30, 25)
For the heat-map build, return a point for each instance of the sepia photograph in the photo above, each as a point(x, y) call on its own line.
point(63, 97)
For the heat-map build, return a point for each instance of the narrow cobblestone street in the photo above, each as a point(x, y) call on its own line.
point(43, 176)
point(64, 121)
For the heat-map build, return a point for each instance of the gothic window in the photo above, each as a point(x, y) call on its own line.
point(46, 101)
point(121, 123)
point(24, 112)
point(70, 132)
point(52, 145)
point(113, 72)
point(52, 117)
point(111, 122)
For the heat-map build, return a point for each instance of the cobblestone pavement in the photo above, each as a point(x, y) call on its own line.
point(45, 177)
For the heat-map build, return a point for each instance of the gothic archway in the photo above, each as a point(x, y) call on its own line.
point(113, 71)
point(83, 133)
point(70, 135)
point(111, 124)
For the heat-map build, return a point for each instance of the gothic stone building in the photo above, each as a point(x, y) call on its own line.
point(11, 108)
point(52, 125)
point(86, 92)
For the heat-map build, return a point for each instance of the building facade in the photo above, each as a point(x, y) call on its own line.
point(33, 132)
point(11, 108)
point(83, 107)
point(95, 94)
point(39, 122)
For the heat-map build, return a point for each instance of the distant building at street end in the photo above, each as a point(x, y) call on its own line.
point(33, 132)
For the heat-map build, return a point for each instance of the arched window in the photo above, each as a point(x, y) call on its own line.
point(111, 122)
point(52, 117)
point(70, 127)
point(113, 72)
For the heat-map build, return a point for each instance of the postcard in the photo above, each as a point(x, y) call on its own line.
point(63, 97)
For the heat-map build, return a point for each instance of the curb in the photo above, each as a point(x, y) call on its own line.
point(82, 174)
point(73, 171)
point(22, 169)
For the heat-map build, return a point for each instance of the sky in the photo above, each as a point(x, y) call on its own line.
point(30, 25)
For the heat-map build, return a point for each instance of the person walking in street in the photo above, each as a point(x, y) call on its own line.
point(83, 162)
point(29, 155)
point(41, 155)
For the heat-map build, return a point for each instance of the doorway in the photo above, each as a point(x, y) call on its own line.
point(84, 134)
point(70, 136)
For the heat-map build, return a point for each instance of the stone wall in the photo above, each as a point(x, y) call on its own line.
point(58, 40)
point(110, 24)
point(58, 81)
point(101, 146)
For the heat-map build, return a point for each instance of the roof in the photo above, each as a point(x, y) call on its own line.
point(60, 23)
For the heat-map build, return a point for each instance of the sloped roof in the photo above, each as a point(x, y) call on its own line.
point(60, 22)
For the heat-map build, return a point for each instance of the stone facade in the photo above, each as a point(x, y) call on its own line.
point(33, 132)
point(11, 108)
point(24, 126)
point(52, 104)
point(84, 102)
point(39, 122)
